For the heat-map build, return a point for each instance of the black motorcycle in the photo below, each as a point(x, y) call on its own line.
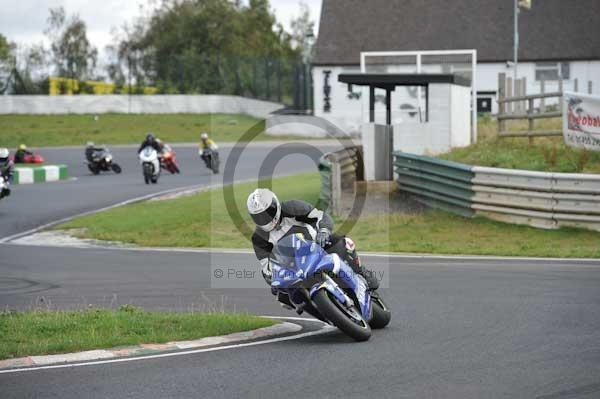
point(102, 161)
point(211, 159)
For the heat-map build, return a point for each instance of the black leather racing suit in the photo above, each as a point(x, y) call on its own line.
point(152, 143)
point(91, 153)
point(301, 217)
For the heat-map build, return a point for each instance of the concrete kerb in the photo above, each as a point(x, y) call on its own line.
point(278, 332)
point(40, 174)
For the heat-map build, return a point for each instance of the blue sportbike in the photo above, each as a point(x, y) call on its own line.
point(306, 278)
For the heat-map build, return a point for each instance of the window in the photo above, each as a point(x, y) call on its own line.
point(552, 70)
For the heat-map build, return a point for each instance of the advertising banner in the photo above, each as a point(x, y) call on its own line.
point(581, 121)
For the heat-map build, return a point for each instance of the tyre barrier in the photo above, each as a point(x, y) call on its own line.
point(40, 174)
point(538, 199)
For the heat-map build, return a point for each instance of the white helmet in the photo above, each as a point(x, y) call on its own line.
point(4, 155)
point(264, 208)
point(204, 136)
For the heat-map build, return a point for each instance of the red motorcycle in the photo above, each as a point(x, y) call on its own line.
point(30, 158)
point(168, 160)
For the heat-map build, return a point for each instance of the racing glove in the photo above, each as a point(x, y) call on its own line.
point(323, 237)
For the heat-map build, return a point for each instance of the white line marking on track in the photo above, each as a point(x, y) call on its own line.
point(324, 329)
point(230, 251)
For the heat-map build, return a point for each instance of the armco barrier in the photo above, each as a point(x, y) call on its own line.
point(545, 200)
point(40, 174)
point(339, 171)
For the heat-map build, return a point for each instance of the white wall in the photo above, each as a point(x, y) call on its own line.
point(449, 123)
point(143, 104)
point(348, 112)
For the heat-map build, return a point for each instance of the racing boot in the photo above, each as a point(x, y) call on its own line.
point(354, 261)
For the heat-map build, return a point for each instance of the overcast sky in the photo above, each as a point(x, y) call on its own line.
point(24, 21)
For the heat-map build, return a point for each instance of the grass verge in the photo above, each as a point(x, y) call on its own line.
point(71, 129)
point(547, 154)
point(50, 332)
point(201, 220)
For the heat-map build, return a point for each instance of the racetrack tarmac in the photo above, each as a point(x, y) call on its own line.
point(33, 205)
point(461, 328)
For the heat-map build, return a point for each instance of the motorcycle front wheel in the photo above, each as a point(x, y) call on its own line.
point(147, 173)
point(214, 164)
point(116, 168)
point(352, 324)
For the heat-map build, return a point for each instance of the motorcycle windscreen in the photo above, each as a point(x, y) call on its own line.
point(294, 251)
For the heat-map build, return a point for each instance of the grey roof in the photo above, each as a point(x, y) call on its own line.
point(551, 30)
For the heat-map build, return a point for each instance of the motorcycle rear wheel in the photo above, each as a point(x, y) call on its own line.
point(329, 307)
point(381, 313)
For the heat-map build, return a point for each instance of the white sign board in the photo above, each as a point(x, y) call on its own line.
point(581, 121)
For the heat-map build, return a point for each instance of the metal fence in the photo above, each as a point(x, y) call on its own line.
point(282, 80)
point(339, 171)
point(539, 199)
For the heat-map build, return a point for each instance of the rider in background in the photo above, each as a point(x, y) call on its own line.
point(205, 145)
point(20, 154)
point(275, 220)
point(152, 141)
point(6, 169)
point(91, 150)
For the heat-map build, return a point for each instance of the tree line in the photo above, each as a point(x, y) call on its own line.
point(179, 46)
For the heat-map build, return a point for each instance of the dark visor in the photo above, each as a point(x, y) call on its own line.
point(266, 216)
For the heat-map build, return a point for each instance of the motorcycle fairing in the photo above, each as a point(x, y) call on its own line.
point(332, 263)
point(308, 259)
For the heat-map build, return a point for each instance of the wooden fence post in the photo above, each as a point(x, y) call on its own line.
point(589, 87)
point(543, 100)
point(560, 85)
point(576, 85)
point(530, 115)
point(524, 93)
point(501, 96)
point(509, 93)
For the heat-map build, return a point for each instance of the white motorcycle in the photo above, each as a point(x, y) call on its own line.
point(150, 165)
point(4, 187)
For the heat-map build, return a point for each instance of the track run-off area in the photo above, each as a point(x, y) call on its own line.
point(462, 327)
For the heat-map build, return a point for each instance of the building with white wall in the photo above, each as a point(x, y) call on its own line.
point(558, 39)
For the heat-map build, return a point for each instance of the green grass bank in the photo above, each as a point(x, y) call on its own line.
point(71, 129)
point(45, 332)
point(546, 154)
point(202, 221)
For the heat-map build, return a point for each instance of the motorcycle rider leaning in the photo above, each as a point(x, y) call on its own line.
point(91, 150)
point(152, 141)
point(205, 145)
point(275, 220)
point(6, 170)
point(21, 152)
